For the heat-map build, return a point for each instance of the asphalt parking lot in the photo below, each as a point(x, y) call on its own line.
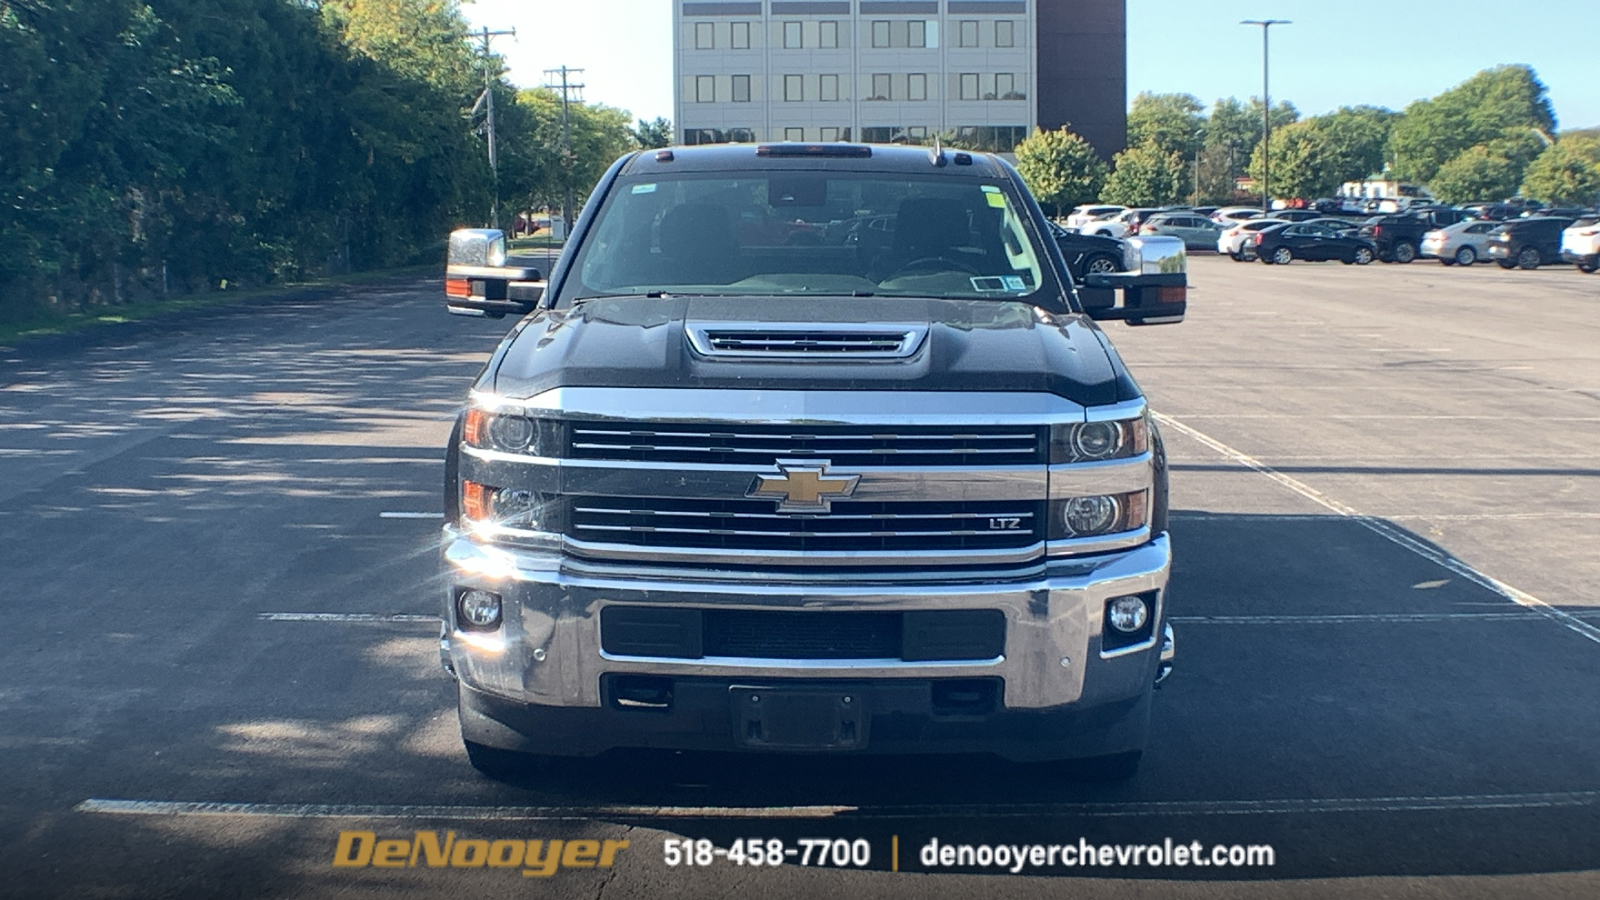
point(219, 541)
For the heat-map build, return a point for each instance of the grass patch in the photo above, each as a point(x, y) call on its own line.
point(88, 320)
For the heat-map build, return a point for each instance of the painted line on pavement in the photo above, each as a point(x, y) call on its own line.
point(1392, 534)
point(1289, 805)
point(343, 617)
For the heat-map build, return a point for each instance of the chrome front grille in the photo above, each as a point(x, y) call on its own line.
point(852, 526)
point(841, 446)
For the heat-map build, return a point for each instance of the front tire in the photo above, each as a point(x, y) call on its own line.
point(1101, 265)
point(1282, 256)
point(1404, 252)
point(1466, 256)
point(1528, 258)
point(1362, 256)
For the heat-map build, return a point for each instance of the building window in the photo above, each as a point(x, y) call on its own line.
point(916, 86)
point(828, 34)
point(877, 134)
point(830, 87)
point(917, 35)
point(1005, 33)
point(693, 136)
point(880, 87)
point(969, 33)
point(705, 89)
point(705, 36)
point(740, 36)
point(969, 85)
point(1005, 87)
point(791, 36)
point(741, 88)
point(830, 133)
point(794, 134)
point(917, 134)
point(794, 88)
point(880, 33)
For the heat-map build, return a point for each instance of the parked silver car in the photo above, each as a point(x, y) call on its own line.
point(1463, 243)
point(1196, 231)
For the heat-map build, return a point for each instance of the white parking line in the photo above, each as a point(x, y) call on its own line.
point(343, 617)
point(411, 515)
point(954, 810)
point(1392, 534)
point(1359, 619)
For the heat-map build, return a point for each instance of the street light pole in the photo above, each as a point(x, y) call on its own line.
point(1266, 113)
point(487, 99)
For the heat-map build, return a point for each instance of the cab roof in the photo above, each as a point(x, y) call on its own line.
point(839, 157)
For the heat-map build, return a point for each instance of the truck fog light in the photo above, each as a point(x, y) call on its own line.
point(1089, 515)
point(479, 610)
point(1127, 614)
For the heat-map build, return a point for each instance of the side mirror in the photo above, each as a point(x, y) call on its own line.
point(478, 281)
point(1155, 287)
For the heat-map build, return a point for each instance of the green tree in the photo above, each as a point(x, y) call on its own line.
point(657, 133)
point(1145, 176)
point(1300, 156)
point(599, 134)
point(1232, 131)
point(1174, 123)
point(1566, 173)
point(1356, 137)
point(1060, 168)
point(1484, 108)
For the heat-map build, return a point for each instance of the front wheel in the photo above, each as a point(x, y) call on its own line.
point(1405, 252)
point(1101, 265)
point(1588, 268)
point(1362, 256)
point(1466, 256)
point(1528, 258)
point(1282, 256)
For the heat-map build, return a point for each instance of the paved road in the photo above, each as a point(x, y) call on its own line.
point(1388, 504)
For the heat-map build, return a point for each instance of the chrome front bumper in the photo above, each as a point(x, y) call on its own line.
point(547, 652)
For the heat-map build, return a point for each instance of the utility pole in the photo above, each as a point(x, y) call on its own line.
point(1266, 112)
point(567, 88)
point(486, 100)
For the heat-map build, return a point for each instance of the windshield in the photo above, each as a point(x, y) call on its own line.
point(823, 233)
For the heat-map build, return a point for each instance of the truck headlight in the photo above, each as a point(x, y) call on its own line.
point(1075, 517)
point(509, 431)
point(1095, 441)
point(513, 508)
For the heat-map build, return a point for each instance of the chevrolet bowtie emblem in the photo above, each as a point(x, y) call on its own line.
point(804, 487)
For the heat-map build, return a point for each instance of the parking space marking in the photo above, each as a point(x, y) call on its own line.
point(343, 617)
point(411, 515)
point(1129, 809)
point(1366, 618)
point(1390, 533)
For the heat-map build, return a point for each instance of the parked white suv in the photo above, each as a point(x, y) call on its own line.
point(1580, 244)
point(1235, 240)
point(1083, 215)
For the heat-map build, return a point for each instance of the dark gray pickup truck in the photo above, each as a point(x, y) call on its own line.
point(808, 448)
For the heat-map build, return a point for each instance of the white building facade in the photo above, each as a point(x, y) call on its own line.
point(876, 71)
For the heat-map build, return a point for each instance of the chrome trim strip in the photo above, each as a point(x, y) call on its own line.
point(702, 514)
point(1088, 479)
point(815, 665)
point(803, 558)
point(1111, 412)
point(1102, 544)
point(627, 478)
point(799, 408)
point(1128, 650)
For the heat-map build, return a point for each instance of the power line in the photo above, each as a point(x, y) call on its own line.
point(567, 87)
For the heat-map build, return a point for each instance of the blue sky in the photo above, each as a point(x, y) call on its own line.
point(1337, 52)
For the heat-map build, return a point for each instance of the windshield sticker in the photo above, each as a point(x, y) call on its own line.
point(989, 189)
point(988, 283)
point(644, 189)
point(1014, 283)
point(998, 201)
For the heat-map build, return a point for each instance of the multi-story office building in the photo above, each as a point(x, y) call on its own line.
point(987, 71)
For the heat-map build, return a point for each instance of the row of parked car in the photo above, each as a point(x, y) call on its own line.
point(1452, 235)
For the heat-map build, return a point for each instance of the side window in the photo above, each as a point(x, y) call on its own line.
point(705, 36)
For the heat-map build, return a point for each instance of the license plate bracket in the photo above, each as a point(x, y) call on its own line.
point(824, 718)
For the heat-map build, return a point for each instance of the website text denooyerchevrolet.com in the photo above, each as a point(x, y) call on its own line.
point(1017, 858)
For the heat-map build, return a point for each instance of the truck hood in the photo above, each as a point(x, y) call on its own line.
point(970, 345)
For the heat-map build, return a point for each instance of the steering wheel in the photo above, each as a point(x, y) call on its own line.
point(933, 262)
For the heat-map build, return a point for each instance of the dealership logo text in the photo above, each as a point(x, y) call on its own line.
point(537, 859)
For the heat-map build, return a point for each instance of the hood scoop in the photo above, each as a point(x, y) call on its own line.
point(763, 340)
